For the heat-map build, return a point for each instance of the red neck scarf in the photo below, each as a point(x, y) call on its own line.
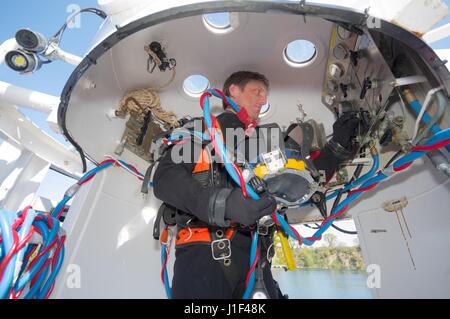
point(245, 119)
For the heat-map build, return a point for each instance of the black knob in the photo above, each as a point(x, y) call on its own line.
point(367, 84)
point(354, 57)
point(155, 47)
point(387, 137)
point(344, 89)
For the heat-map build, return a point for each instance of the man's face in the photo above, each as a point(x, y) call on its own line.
point(252, 97)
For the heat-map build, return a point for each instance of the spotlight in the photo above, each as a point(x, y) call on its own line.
point(31, 40)
point(21, 61)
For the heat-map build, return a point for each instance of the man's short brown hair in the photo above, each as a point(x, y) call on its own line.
point(241, 78)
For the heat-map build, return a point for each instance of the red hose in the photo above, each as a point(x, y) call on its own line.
point(252, 268)
point(360, 190)
point(338, 213)
point(299, 237)
point(402, 167)
point(10, 254)
point(425, 148)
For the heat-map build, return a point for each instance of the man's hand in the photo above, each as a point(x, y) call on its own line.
point(341, 146)
point(345, 129)
point(247, 211)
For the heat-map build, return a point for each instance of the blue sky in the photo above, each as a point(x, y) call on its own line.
point(46, 17)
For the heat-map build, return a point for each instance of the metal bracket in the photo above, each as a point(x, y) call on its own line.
point(218, 243)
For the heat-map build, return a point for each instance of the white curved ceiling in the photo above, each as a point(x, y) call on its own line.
point(256, 43)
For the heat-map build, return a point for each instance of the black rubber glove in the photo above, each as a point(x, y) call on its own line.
point(341, 146)
point(345, 129)
point(247, 211)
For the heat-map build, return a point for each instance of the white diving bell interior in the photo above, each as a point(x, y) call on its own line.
point(109, 225)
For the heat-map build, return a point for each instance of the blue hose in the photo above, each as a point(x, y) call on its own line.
point(369, 174)
point(129, 167)
point(92, 172)
point(24, 265)
point(366, 180)
point(6, 221)
point(234, 176)
point(95, 171)
point(26, 277)
point(230, 101)
point(284, 224)
point(251, 281)
point(26, 226)
point(416, 106)
point(48, 238)
point(441, 135)
point(223, 152)
point(60, 205)
point(375, 166)
point(53, 274)
point(34, 291)
point(166, 276)
point(438, 137)
point(40, 288)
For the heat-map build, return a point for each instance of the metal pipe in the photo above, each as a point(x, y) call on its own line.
point(440, 161)
point(28, 98)
point(442, 103)
point(59, 54)
point(437, 34)
point(415, 105)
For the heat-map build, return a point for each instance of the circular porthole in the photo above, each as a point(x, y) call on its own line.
point(264, 109)
point(218, 20)
point(195, 85)
point(300, 53)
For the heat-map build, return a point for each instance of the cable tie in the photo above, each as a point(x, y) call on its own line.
point(72, 190)
point(388, 171)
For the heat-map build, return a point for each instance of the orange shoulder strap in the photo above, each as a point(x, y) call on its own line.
point(202, 163)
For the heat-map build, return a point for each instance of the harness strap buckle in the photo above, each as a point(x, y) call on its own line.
point(221, 249)
point(263, 230)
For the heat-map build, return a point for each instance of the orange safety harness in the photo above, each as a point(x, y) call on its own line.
point(198, 235)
